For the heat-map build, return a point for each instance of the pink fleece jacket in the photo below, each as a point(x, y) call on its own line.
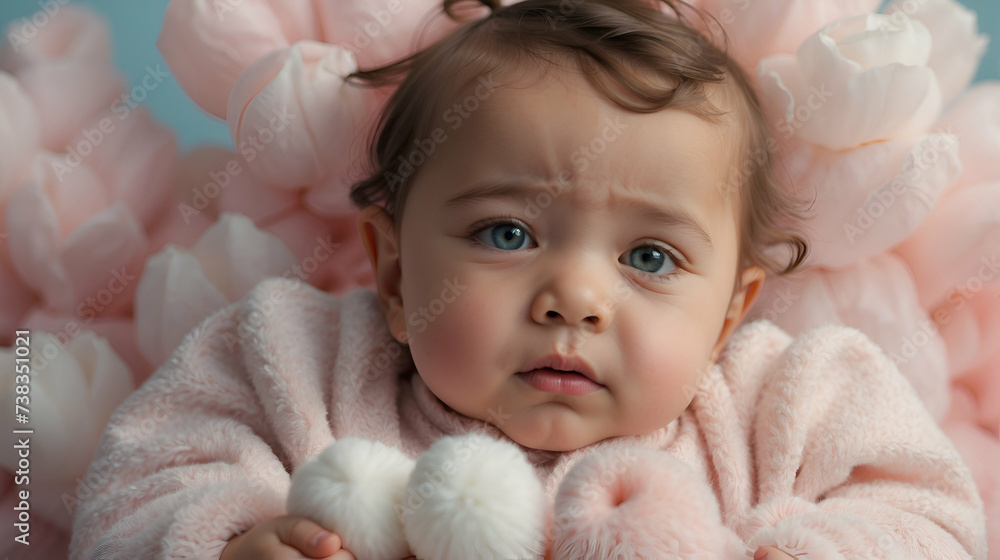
point(816, 445)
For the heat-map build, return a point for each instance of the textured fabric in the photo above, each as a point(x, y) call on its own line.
point(815, 444)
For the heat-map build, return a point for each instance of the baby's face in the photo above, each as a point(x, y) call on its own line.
point(551, 222)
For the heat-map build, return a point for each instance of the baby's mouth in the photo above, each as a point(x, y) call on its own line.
point(559, 382)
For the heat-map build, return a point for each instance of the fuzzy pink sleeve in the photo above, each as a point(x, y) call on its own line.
point(202, 451)
point(849, 463)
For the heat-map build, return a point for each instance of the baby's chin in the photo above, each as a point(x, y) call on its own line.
point(555, 435)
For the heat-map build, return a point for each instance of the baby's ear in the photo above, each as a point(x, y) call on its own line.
point(751, 281)
point(378, 234)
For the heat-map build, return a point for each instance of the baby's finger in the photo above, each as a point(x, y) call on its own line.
point(308, 537)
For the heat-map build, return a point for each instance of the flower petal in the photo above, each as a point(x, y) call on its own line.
point(69, 32)
point(236, 256)
point(100, 258)
point(957, 46)
point(70, 96)
point(381, 31)
point(870, 198)
point(838, 102)
point(759, 29)
point(136, 160)
point(959, 241)
point(208, 44)
point(975, 120)
point(172, 298)
point(20, 133)
point(306, 124)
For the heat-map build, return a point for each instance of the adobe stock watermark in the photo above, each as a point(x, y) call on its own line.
point(29, 27)
point(959, 295)
point(783, 301)
point(100, 300)
point(883, 198)
point(423, 148)
point(899, 17)
point(94, 136)
point(426, 314)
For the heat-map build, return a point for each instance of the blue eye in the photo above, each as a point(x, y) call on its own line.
point(506, 236)
point(651, 259)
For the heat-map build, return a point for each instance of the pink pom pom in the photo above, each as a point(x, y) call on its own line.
point(638, 503)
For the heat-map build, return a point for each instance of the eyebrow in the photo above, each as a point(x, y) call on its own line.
point(519, 191)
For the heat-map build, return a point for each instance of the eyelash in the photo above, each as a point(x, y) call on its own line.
point(507, 219)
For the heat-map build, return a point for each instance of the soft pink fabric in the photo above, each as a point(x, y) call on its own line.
point(813, 444)
point(875, 296)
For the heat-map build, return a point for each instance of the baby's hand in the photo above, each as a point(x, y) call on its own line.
point(771, 553)
point(288, 537)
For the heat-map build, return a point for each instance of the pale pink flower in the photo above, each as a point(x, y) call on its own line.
point(975, 120)
point(179, 288)
point(875, 296)
point(297, 123)
point(382, 31)
point(208, 44)
point(73, 33)
point(118, 331)
point(74, 389)
point(17, 298)
point(969, 324)
point(958, 244)
point(66, 68)
point(20, 134)
point(867, 200)
point(328, 249)
point(859, 80)
point(756, 29)
point(69, 239)
point(956, 45)
point(135, 160)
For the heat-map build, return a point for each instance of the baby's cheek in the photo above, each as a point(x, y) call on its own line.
point(665, 371)
point(454, 353)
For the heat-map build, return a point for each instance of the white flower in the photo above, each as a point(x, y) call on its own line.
point(759, 28)
point(72, 392)
point(859, 80)
point(956, 46)
point(180, 288)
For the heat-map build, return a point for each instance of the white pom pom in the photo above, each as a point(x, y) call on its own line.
point(353, 488)
point(473, 497)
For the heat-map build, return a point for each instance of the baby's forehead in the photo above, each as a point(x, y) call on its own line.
point(522, 100)
point(558, 130)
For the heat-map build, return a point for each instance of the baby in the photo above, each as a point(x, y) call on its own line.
point(572, 211)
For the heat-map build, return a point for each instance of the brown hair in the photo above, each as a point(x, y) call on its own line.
point(639, 58)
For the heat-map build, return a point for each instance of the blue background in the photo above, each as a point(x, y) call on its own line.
point(135, 25)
